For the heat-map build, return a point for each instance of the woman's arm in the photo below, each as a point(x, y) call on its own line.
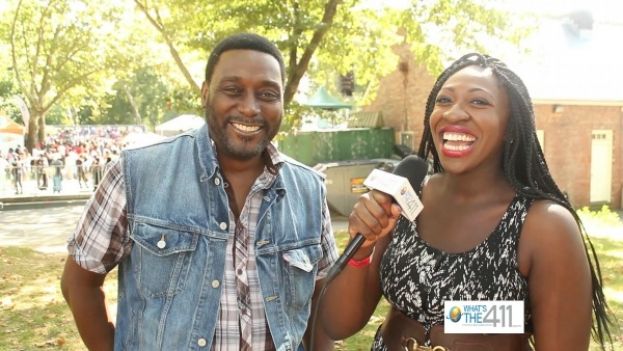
point(553, 256)
point(352, 296)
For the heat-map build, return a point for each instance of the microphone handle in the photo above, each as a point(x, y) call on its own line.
point(348, 253)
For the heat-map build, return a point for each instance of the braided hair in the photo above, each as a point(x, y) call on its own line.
point(523, 165)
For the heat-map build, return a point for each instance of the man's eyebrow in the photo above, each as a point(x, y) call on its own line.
point(265, 82)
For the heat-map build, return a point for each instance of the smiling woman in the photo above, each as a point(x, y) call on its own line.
point(492, 214)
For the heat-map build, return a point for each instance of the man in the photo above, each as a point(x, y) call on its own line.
point(219, 239)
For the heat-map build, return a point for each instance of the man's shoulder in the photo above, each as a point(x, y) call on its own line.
point(300, 167)
point(167, 142)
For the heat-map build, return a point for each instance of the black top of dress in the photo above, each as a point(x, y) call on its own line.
point(417, 278)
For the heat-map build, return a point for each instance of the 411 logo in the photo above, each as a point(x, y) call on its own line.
point(491, 317)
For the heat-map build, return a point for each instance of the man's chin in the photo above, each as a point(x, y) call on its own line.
point(244, 153)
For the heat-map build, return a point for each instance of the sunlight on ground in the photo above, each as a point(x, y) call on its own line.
point(614, 295)
point(35, 294)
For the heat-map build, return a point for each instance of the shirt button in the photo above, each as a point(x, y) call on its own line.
point(216, 283)
point(223, 225)
point(202, 342)
point(217, 181)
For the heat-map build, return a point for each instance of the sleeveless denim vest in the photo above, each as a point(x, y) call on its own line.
point(170, 285)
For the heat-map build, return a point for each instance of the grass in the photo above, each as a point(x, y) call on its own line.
point(33, 314)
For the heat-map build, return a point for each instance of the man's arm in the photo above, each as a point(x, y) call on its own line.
point(84, 294)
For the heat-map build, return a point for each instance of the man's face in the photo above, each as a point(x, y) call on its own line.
point(244, 103)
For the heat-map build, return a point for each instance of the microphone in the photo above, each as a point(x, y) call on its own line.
point(403, 185)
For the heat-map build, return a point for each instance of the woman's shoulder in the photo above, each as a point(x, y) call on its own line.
point(548, 215)
point(550, 225)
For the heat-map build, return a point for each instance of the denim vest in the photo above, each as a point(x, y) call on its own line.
point(170, 284)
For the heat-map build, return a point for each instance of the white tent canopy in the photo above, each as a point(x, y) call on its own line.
point(179, 125)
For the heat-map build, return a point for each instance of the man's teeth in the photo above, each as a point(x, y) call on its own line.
point(245, 128)
point(448, 136)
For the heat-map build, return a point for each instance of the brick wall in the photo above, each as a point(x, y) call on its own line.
point(402, 96)
point(567, 137)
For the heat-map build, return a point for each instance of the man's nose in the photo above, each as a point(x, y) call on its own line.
point(249, 106)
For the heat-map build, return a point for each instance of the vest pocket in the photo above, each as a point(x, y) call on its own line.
point(300, 273)
point(162, 257)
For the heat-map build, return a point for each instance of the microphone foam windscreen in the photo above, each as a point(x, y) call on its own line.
point(414, 169)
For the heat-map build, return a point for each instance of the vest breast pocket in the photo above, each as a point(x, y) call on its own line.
point(162, 258)
point(300, 272)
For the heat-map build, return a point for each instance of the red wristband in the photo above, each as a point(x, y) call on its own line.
point(360, 263)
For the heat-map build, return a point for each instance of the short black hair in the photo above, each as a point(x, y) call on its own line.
point(244, 41)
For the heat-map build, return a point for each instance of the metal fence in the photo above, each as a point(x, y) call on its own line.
point(35, 180)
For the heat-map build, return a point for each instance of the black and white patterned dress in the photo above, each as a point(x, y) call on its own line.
point(417, 278)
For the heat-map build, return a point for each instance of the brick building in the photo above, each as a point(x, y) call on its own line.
point(574, 76)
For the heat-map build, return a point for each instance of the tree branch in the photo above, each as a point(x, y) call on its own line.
point(70, 84)
point(294, 78)
point(294, 40)
point(18, 76)
point(159, 25)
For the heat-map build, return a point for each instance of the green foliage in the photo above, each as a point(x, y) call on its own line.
point(58, 116)
point(359, 37)
point(147, 98)
point(603, 216)
point(69, 51)
point(59, 49)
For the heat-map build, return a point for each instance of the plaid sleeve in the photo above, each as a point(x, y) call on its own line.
point(329, 248)
point(101, 238)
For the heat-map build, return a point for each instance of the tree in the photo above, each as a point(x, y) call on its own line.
point(58, 47)
point(329, 36)
point(137, 99)
point(307, 22)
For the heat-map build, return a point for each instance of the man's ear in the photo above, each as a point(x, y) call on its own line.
point(205, 93)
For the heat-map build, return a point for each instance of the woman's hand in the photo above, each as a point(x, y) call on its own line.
point(374, 216)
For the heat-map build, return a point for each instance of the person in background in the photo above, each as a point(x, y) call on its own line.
point(57, 178)
point(97, 171)
point(41, 165)
point(220, 240)
point(80, 169)
point(17, 173)
point(495, 226)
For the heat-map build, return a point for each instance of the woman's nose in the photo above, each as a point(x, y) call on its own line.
point(456, 112)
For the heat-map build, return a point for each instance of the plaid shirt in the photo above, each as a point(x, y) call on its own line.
point(101, 240)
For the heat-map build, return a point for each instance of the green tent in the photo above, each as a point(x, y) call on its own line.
point(322, 99)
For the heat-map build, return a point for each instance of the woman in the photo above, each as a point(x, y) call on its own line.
point(494, 227)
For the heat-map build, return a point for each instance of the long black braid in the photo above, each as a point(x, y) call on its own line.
point(523, 165)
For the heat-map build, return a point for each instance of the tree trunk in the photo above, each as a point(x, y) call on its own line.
point(135, 112)
point(41, 129)
point(297, 73)
point(33, 127)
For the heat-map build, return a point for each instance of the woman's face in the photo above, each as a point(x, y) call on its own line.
point(468, 122)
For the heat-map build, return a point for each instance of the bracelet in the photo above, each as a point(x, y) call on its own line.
point(362, 262)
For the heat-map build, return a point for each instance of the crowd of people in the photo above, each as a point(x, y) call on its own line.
point(78, 154)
